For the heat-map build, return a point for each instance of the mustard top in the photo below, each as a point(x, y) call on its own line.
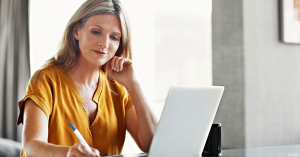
point(54, 91)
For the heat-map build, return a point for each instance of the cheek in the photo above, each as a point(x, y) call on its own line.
point(114, 47)
point(86, 43)
point(82, 44)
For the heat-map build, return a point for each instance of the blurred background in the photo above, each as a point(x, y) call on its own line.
point(233, 43)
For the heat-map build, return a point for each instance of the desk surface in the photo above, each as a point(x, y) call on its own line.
point(275, 151)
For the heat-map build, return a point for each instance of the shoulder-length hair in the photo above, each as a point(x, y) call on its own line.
point(67, 55)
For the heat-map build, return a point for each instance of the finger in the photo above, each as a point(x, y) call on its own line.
point(84, 150)
point(121, 62)
point(74, 152)
point(108, 69)
point(96, 152)
point(77, 153)
point(117, 59)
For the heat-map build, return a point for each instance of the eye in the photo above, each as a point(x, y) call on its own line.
point(96, 32)
point(114, 38)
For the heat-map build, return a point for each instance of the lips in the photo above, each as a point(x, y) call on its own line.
point(99, 52)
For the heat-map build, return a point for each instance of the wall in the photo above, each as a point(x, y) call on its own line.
point(272, 78)
point(261, 75)
point(228, 69)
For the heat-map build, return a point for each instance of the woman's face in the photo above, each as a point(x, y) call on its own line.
point(99, 38)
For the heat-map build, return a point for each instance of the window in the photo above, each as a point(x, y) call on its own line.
point(171, 43)
point(47, 22)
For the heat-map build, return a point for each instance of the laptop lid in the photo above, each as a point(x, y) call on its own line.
point(185, 121)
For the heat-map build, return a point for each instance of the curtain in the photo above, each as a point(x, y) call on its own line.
point(14, 64)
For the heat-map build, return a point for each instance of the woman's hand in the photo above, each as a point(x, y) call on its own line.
point(121, 70)
point(78, 150)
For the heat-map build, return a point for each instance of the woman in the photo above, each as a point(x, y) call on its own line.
point(90, 83)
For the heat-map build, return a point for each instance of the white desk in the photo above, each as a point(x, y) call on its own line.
point(276, 151)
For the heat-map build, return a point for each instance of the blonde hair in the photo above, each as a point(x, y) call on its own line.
point(67, 55)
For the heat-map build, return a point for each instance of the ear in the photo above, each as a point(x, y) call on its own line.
point(76, 32)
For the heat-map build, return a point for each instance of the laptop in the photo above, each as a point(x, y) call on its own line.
point(185, 121)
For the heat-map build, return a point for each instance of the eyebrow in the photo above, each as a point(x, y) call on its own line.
point(102, 28)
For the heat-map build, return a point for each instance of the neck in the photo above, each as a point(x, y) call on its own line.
point(85, 73)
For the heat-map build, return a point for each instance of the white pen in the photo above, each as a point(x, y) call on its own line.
point(79, 136)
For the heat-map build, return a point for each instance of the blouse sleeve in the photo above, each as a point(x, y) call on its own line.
point(39, 90)
point(129, 103)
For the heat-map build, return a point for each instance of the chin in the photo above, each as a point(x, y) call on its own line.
point(101, 63)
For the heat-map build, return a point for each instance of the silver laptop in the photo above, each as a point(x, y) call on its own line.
point(185, 121)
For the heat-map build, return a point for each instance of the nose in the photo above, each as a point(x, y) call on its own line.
point(104, 42)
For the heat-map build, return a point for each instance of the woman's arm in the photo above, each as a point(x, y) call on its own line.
point(35, 136)
point(140, 120)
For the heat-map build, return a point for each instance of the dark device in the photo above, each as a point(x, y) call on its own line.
point(213, 143)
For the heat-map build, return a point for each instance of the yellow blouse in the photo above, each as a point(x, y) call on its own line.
point(54, 91)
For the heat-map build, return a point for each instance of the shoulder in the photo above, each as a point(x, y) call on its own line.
point(47, 74)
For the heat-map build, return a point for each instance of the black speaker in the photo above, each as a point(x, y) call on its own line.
point(213, 143)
